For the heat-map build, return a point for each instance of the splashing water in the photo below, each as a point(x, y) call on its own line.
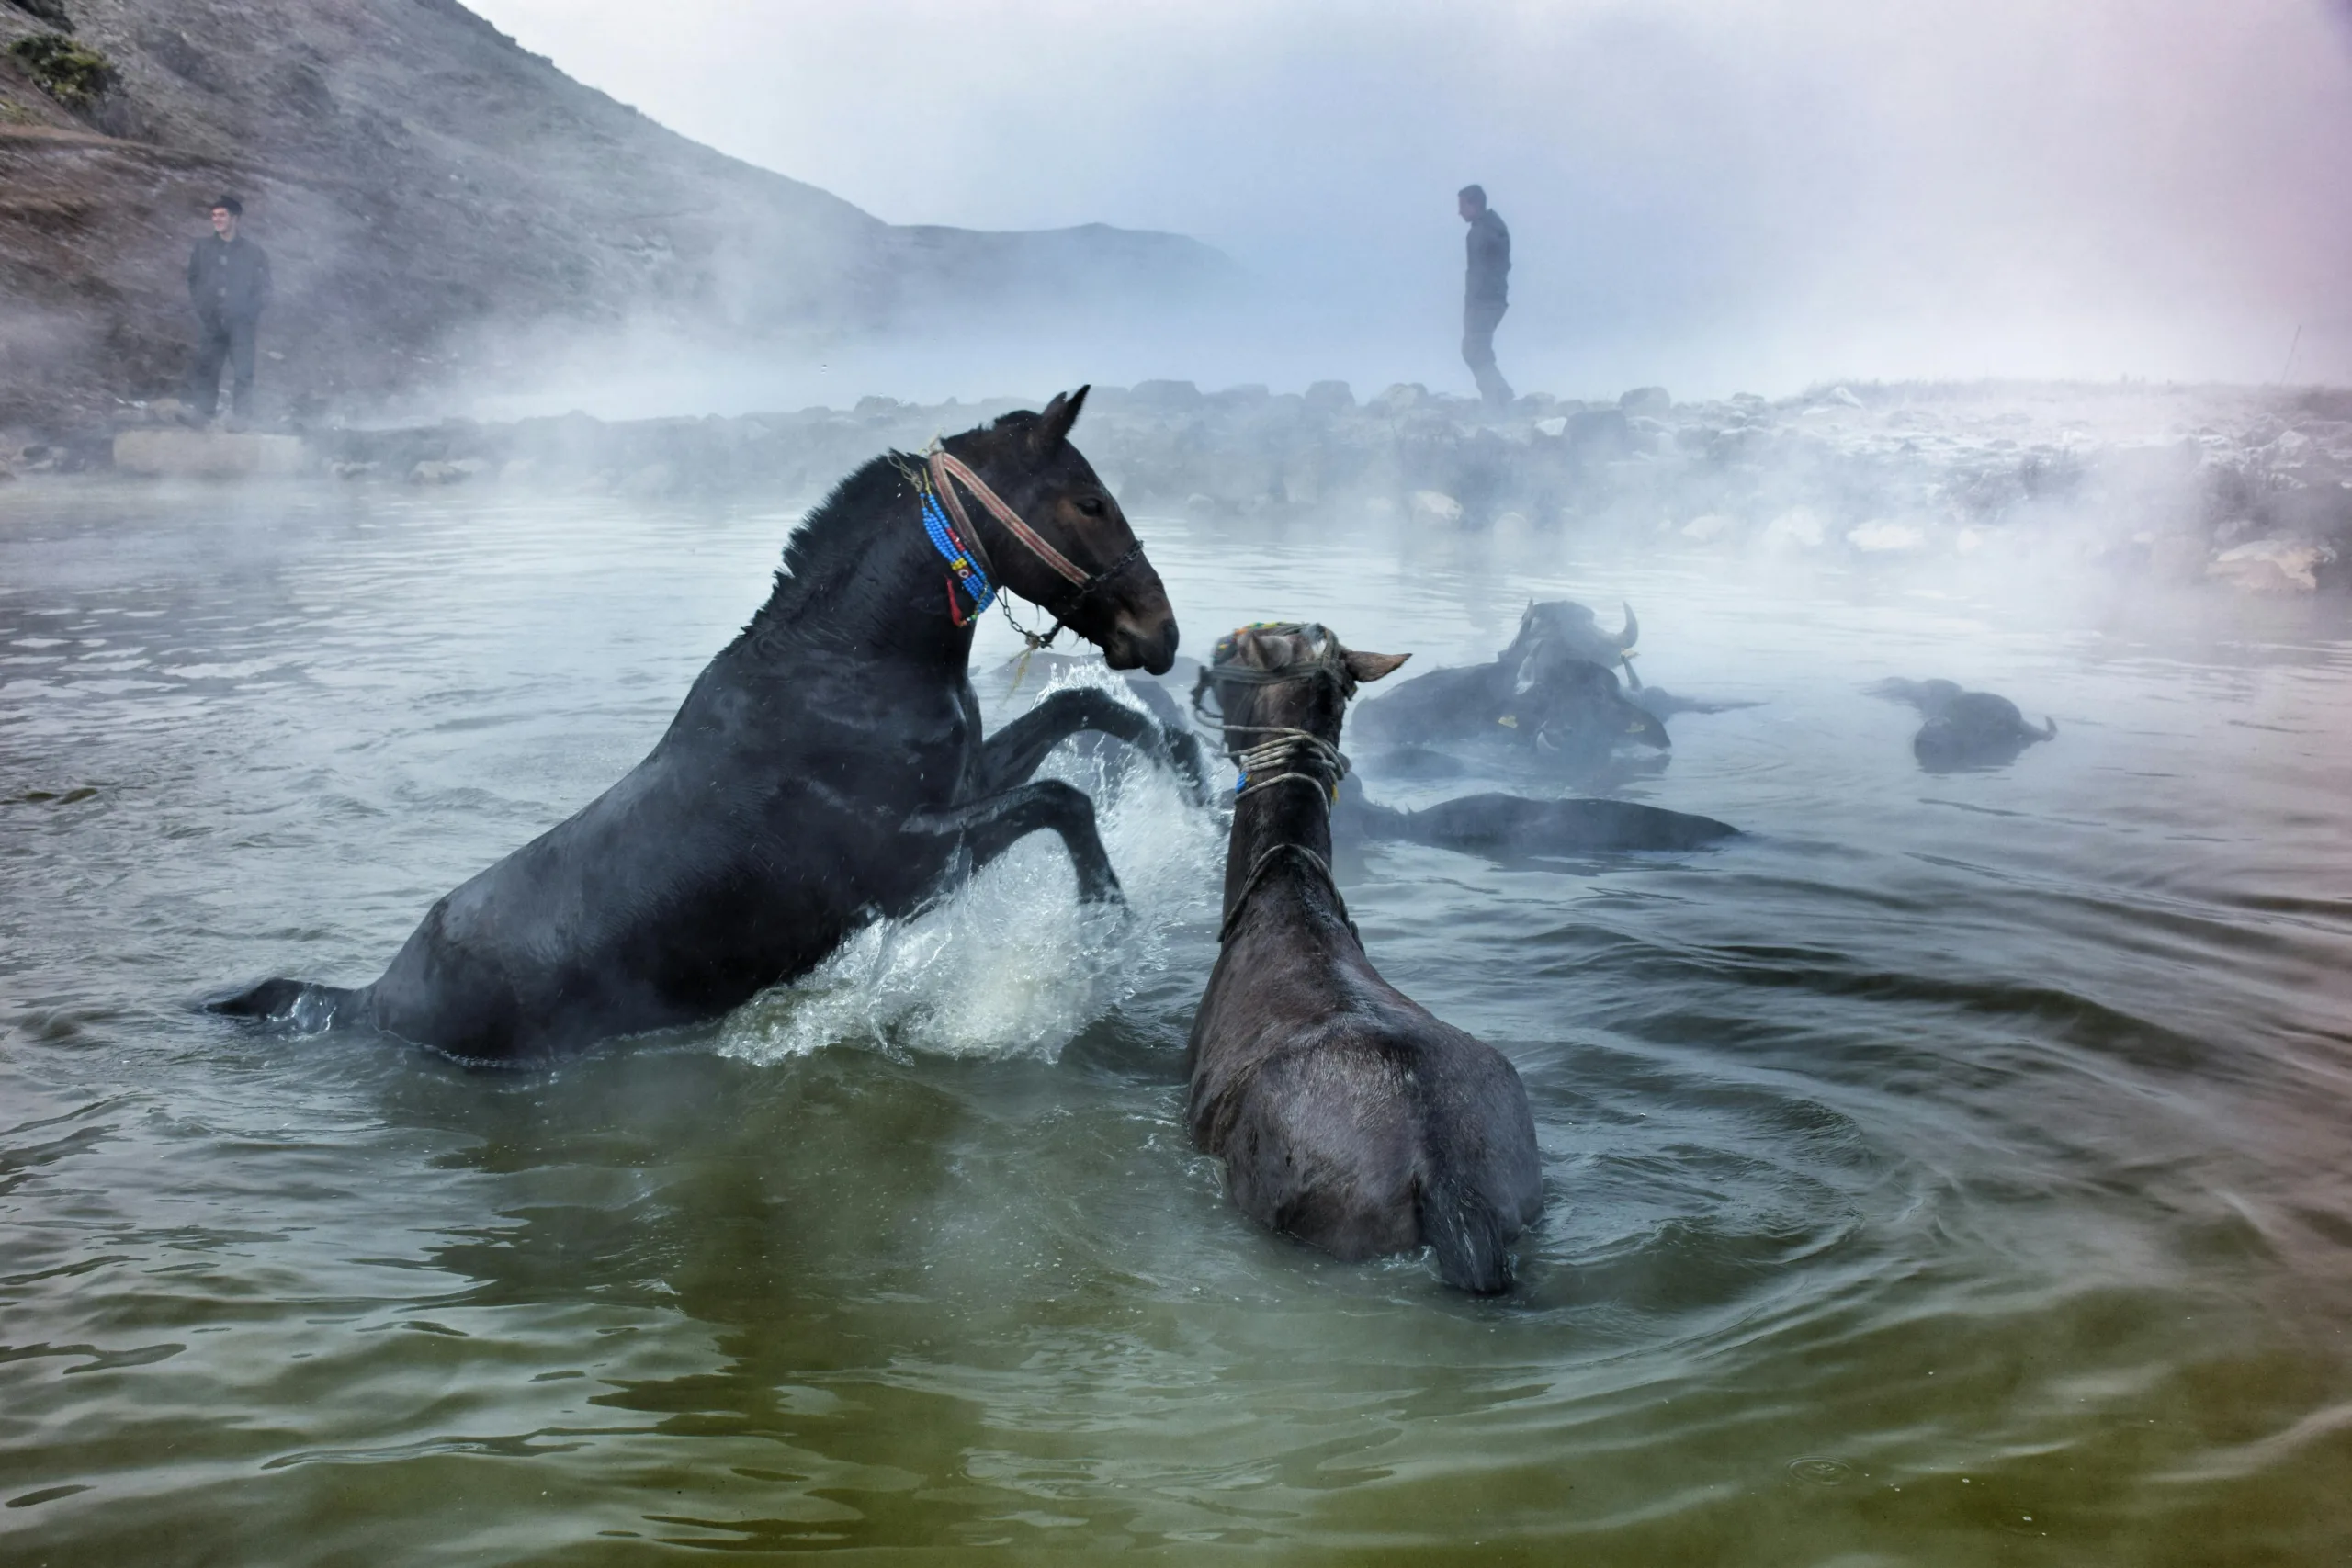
point(1011, 964)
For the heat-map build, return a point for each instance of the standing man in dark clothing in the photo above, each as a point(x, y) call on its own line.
point(1486, 292)
point(228, 281)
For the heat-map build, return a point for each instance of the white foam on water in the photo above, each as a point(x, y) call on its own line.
point(1011, 963)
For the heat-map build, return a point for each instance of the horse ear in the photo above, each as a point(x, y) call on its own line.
point(1052, 425)
point(1372, 666)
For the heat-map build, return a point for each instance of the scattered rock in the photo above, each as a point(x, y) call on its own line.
point(1800, 528)
point(1330, 397)
point(1646, 399)
point(1953, 474)
point(1166, 394)
point(2272, 566)
point(1437, 507)
point(1600, 430)
point(1843, 397)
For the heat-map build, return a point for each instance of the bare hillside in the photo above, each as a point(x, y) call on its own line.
point(431, 195)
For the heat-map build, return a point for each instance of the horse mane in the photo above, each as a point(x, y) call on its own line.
point(825, 545)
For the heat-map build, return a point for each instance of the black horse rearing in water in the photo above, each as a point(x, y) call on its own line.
point(826, 769)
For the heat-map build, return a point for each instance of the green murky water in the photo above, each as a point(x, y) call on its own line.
point(1953, 1171)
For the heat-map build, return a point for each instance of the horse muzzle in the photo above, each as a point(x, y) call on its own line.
point(1144, 640)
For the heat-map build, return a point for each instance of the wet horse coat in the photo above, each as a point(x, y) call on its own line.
point(1346, 1114)
point(826, 768)
point(1511, 827)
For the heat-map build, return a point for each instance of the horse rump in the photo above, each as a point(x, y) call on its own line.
point(1481, 1181)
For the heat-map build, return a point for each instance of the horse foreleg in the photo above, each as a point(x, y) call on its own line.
point(989, 827)
point(1013, 753)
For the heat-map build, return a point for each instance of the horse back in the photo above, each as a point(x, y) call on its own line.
point(761, 830)
point(1348, 1115)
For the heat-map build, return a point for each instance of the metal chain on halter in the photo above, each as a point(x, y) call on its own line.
point(943, 471)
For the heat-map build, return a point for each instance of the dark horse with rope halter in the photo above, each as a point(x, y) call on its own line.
point(1346, 1114)
point(826, 769)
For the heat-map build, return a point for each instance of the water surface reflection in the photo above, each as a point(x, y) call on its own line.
point(1951, 1168)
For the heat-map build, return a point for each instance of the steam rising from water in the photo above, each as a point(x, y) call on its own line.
point(1716, 196)
point(1011, 963)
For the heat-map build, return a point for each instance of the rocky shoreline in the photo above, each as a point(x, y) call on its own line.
point(2252, 487)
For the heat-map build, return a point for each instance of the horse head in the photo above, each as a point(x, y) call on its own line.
point(1092, 576)
point(1280, 676)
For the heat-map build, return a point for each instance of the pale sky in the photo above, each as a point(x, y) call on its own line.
point(1712, 194)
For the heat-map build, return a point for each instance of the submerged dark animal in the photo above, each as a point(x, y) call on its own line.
point(1511, 827)
point(1964, 729)
point(826, 768)
point(1546, 700)
point(1575, 630)
point(1550, 692)
point(1346, 1114)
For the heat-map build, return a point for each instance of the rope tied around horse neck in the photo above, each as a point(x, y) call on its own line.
point(1303, 756)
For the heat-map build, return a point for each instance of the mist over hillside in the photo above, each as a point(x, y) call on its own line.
point(441, 206)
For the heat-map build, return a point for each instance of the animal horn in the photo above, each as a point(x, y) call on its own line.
point(1626, 637)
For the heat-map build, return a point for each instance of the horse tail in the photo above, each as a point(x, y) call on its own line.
point(1463, 1227)
point(309, 1007)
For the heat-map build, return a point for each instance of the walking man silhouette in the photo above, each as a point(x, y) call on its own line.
point(1486, 293)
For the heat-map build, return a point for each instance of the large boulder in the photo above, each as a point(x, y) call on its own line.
point(1330, 397)
point(2272, 566)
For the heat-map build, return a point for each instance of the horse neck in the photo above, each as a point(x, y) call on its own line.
point(877, 589)
point(1289, 813)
